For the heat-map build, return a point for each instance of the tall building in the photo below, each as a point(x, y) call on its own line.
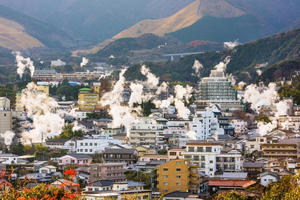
point(212, 158)
point(178, 175)
point(19, 107)
point(87, 99)
point(5, 115)
point(218, 89)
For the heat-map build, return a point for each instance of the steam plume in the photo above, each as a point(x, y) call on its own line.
point(231, 45)
point(23, 63)
point(84, 62)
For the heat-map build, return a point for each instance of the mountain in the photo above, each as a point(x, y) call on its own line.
point(183, 18)
point(245, 59)
point(94, 21)
point(14, 37)
point(21, 32)
point(148, 47)
point(223, 20)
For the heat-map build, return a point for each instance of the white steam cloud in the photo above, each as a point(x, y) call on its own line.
point(8, 137)
point(223, 64)
point(262, 96)
point(231, 45)
point(42, 109)
point(84, 62)
point(197, 67)
point(23, 63)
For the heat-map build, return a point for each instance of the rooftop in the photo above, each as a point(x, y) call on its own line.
point(231, 183)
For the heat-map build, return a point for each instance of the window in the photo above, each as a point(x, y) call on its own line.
point(165, 183)
point(91, 150)
point(165, 176)
point(172, 153)
point(178, 169)
point(177, 162)
point(95, 144)
point(178, 183)
point(191, 149)
point(91, 144)
point(81, 144)
point(178, 176)
point(208, 149)
point(211, 161)
point(165, 169)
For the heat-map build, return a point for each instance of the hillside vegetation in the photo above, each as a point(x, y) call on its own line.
point(244, 59)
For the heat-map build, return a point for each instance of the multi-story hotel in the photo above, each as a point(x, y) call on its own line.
point(218, 89)
point(211, 158)
point(87, 99)
point(178, 175)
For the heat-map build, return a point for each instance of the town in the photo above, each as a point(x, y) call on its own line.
point(223, 139)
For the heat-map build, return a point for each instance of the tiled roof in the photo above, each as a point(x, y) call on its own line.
point(231, 183)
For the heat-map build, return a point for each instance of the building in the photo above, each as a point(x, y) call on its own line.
point(268, 177)
point(42, 88)
point(92, 145)
point(180, 196)
point(75, 159)
point(281, 149)
point(117, 155)
point(240, 126)
point(174, 154)
point(178, 175)
point(5, 120)
point(19, 106)
point(116, 191)
point(237, 185)
point(142, 150)
point(87, 99)
point(217, 89)
point(146, 132)
point(206, 124)
point(47, 169)
point(212, 158)
point(107, 171)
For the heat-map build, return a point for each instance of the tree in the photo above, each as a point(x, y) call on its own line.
point(232, 195)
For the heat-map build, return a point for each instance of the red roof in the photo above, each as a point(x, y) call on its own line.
point(232, 183)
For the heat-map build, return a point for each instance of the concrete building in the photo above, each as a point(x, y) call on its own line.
point(282, 149)
point(92, 145)
point(146, 132)
point(87, 99)
point(4, 103)
point(212, 158)
point(117, 155)
point(107, 171)
point(178, 175)
point(217, 89)
point(5, 120)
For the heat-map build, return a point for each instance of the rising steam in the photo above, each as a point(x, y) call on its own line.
point(84, 62)
point(23, 63)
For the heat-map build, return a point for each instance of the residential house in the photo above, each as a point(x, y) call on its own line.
point(143, 150)
point(75, 159)
point(268, 177)
point(47, 169)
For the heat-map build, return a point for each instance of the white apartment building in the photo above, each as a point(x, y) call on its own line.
point(252, 145)
point(206, 124)
point(211, 158)
point(95, 144)
point(178, 131)
point(147, 132)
